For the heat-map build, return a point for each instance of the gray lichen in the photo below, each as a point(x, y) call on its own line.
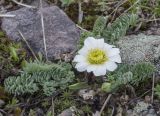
point(138, 48)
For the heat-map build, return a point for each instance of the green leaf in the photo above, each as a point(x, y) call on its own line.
point(119, 27)
point(40, 76)
point(106, 87)
point(99, 25)
point(157, 90)
point(77, 86)
point(2, 34)
point(49, 113)
point(66, 2)
point(13, 53)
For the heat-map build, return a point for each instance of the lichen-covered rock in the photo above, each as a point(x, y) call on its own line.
point(142, 109)
point(61, 33)
point(137, 48)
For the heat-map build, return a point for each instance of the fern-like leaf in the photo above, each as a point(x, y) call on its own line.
point(20, 85)
point(122, 79)
point(37, 76)
point(141, 72)
point(119, 27)
point(130, 74)
point(99, 25)
point(157, 90)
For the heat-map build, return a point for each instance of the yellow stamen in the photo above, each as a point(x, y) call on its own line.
point(97, 56)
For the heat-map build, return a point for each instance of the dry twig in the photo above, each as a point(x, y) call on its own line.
point(105, 103)
point(52, 107)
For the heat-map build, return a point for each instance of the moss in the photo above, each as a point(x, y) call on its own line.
point(2, 34)
point(63, 103)
point(90, 11)
point(11, 56)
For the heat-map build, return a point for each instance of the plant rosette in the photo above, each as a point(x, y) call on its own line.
point(97, 57)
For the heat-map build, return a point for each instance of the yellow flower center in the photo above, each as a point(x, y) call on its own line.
point(97, 56)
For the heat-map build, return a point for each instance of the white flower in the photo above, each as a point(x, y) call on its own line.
point(97, 56)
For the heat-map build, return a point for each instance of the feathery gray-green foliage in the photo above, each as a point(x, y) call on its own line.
point(112, 32)
point(21, 84)
point(40, 76)
point(141, 71)
point(122, 79)
point(99, 25)
point(130, 74)
point(157, 90)
point(119, 27)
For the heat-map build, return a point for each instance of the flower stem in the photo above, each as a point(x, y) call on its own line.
point(91, 78)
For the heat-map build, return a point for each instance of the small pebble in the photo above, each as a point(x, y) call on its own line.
point(151, 115)
point(129, 112)
point(151, 111)
point(1, 114)
point(144, 113)
point(1, 103)
point(147, 99)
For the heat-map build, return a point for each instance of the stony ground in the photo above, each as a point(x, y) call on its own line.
point(63, 28)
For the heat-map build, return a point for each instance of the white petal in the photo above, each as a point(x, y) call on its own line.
point(79, 58)
point(100, 71)
point(90, 41)
point(83, 51)
point(116, 58)
point(81, 66)
point(113, 52)
point(91, 68)
point(111, 66)
point(100, 43)
point(108, 46)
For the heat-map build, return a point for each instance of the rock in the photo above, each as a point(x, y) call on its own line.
point(151, 115)
point(142, 109)
point(72, 111)
point(138, 48)
point(39, 112)
point(1, 103)
point(66, 112)
point(1, 114)
point(129, 112)
point(61, 33)
point(87, 94)
point(97, 113)
point(152, 111)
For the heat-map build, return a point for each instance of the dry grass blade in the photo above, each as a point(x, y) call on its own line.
point(131, 6)
point(43, 30)
point(80, 15)
point(52, 107)
point(153, 82)
point(114, 11)
point(21, 4)
point(105, 103)
point(7, 15)
point(82, 28)
point(24, 39)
